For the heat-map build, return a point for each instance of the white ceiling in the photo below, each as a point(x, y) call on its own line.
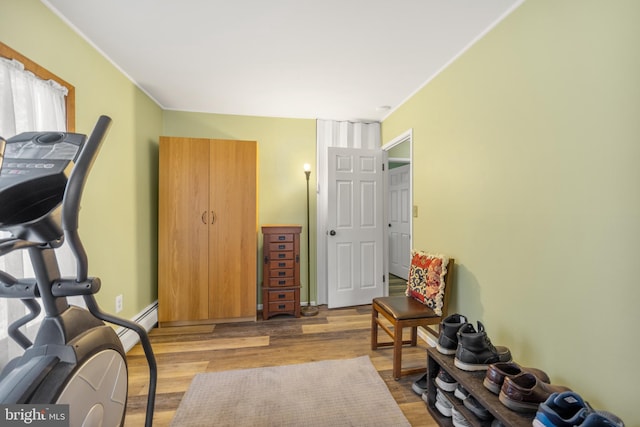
point(329, 59)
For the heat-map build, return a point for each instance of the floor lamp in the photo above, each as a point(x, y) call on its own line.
point(308, 310)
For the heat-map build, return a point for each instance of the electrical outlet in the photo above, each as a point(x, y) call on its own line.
point(119, 303)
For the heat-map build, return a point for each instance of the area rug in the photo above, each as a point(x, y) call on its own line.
point(328, 393)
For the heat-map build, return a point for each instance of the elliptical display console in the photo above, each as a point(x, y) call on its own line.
point(75, 358)
point(33, 177)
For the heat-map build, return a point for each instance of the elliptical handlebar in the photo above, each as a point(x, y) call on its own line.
point(11, 244)
point(73, 194)
point(3, 144)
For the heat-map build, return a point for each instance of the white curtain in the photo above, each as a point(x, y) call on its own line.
point(27, 103)
point(331, 133)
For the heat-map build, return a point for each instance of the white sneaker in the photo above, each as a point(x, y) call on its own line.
point(458, 419)
point(442, 404)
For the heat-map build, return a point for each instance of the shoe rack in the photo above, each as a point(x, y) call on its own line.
point(472, 382)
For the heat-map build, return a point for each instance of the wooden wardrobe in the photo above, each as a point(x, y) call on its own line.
point(207, 231)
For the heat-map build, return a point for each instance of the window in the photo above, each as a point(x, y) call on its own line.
point(31, 99)
point(43, 76)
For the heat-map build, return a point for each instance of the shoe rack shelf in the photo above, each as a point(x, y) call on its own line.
point(472, 382)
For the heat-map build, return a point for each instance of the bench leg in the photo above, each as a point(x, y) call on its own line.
point(414, 336)
point(397, 351)
point(374, 328)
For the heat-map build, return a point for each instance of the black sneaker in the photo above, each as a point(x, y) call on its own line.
point(445, 381)
point(475, 351)
point(419, 386)
point(447, 338)
point(461, 393)
point(478, 410)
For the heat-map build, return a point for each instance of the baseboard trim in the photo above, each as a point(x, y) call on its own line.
point(147, 318)
point(427, 337)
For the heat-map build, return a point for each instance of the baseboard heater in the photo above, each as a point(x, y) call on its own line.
point(147, 318)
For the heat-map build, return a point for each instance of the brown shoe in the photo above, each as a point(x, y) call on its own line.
point(524, 392)
point(497, 372)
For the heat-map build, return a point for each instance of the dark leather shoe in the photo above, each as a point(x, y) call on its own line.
point(475, 351)
point(448, 338)
point(524, 392)
point(496, 373)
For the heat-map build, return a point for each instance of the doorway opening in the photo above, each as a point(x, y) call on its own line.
point(398, 210)
point(397, 285)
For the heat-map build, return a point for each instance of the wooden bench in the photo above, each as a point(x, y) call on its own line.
point(406, 312)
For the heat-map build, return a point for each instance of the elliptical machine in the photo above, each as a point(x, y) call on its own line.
point(75, 359)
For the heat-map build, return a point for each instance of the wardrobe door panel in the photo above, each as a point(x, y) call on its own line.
point(233, 233)
point(183, 223)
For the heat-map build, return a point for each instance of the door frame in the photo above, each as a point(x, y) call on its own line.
point(405, 137)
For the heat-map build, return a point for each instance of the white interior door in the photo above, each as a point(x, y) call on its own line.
point(399, 230)
point(355, 226)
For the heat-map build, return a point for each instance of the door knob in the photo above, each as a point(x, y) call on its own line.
point(332, 232)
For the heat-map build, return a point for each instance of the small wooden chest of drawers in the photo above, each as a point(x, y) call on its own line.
point(281, 270)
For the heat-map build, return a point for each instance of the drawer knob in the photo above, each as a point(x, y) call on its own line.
point(282, 282)
point(281, 306)
point(281, 264)
point(281, 255)
point(281, 273)
point(281, 246)
point(282, 296)
point(281, 237)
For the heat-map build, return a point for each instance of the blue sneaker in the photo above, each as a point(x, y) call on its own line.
point(602, 419)
point(566, 409)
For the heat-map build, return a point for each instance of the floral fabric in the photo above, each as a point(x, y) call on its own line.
point(426, 279)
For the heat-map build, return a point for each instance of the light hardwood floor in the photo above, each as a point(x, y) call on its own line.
point(182, 352)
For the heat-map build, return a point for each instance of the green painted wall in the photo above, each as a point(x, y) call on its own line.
point(400, 151)
point(284, 146)
point(118, 220)
point(528, 151)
